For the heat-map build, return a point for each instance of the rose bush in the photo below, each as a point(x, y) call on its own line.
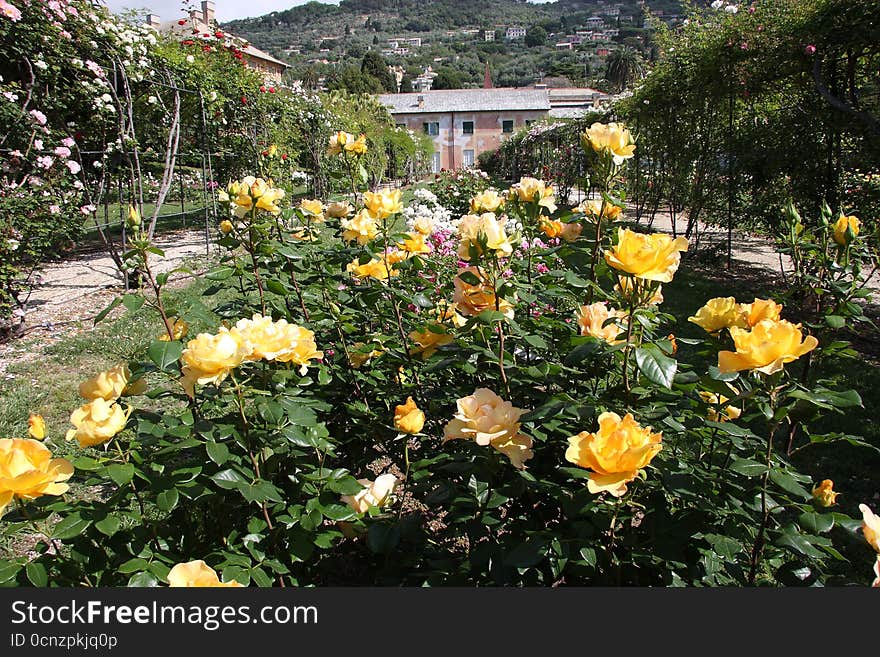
point(551, 431)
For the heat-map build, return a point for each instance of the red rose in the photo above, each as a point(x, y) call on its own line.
point(181, 22)
point(271, 90)
point(244, 100)
point(218, 34)
point(264, 153)
point(262, 90)
point(284, 156)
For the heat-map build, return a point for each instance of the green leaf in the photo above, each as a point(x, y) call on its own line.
point(132, 302)
point(528, 553)
point(133, 566)
point(217, 452)
point(798, 543)
point(108, 526)
point(748, 468)
point(219, 274)
point(788, 483)
point(383, 538)
point(816, 523)
point(8, 570)
point(835, 321)
point(655, 365)
point(101, 315)
point(121, 473)
point(469, 277)
point(71, 526)
point(164, 354)
point(228, 479)
point(143, 580)
point(536, 341)
point(829, 399)
point(36, 573)
point(588, 554)
point(167, 499)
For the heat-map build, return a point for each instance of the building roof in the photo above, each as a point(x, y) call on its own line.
point(195, 28)
point(467, 100)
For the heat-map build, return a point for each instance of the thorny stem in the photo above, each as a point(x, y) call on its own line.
point(758, 546)
point(46, 537)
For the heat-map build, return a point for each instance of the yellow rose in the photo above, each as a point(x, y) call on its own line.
point(312, 208)
point(134, 217)
point(473, 226)
point(358, 146)
point(197, 574)
point(846, 229)
point(408, 418)
point(383, 204)
point(277, 341)
point(303, 235)
point(358, 357)
point(611, 139)
point(423, 224)
point(415, 243)
point(487, 201)
point(375, 268)
point(209, 358)
point(719, 313)
point(27, 471)
point(106, 385)
point(626, 289)
point(532, 190)
point(824, 494)
point(473, 299)
point(447, 312)
point(615, 453)
point(338, 141)
point(226, 227)
point(97, 422)
point(593, 208)
point(550, 227)
point(268, 201)
point(362, 227)
point(652, 257)
point(715, 401)
point(592, 318)
point(571, 231)
point(179, 329)
point(36, 426)
point(758, 311)
point(870, 527)
point(374, 494)
point(489, 420)
point(766, 348)
point(339, 209)
point(429, 341)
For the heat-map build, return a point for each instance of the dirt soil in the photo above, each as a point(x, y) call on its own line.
point(72, 291)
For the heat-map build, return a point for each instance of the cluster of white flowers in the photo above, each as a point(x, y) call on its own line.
point(104, 103)
point(427, 206)
point(720, 5)
point(300, 177)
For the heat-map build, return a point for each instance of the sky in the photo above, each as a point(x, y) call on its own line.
point(227, 10)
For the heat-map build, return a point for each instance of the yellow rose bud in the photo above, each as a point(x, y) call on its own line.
point(383, 204)
point(592, 321)
point(106, 385)
point(615, 453)
point(653, 257)
point(197, 574)
point(209, 358)
point(716, 401)
point(870, 527)
point(487, 201)
point(338, 142)
point(719, 313)
point(375, 493)
point(28, 471)
point(97, 422)
point(473, 227)
point(179, 329)
point(487, 419)
point(36, 426)
point(824, 494)
point(429, 341)
point(766, 348)
point(134, 217)
point(846, 229)
point(471, 300)
point(408, 418)
point(633, 292)
point(612, 140)
point(226, 226)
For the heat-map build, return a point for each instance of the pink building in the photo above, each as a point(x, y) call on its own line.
point(466, 122)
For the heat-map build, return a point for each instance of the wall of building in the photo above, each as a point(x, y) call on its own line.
point(451, 142)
